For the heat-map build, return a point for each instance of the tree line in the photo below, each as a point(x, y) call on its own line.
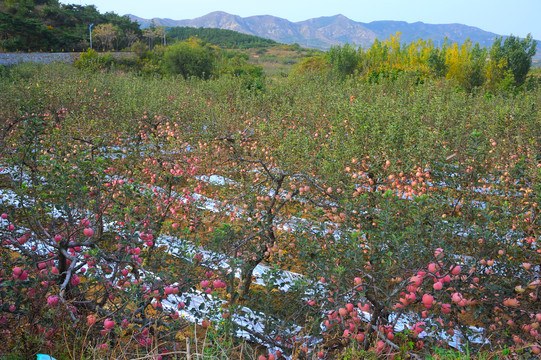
point(44, 25)
point(34, 25)
point(504, 65)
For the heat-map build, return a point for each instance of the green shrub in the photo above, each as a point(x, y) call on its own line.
point(190, 59)
point(92, 61)
point(343, 59)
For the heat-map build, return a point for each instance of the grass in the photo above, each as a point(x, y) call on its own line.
point(279, 60)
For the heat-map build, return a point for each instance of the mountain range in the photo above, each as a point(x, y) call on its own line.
point(323, 32)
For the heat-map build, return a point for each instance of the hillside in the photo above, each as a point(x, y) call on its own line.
point(223, 38)
point(323, 32)
point(49, 25)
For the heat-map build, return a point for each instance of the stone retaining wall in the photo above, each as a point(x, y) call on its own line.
point(46, 58)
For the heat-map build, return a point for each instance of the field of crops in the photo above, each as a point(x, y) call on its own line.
point(311, 216)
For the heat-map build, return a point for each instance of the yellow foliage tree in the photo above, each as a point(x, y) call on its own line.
point(106, 34)
point(466, 65)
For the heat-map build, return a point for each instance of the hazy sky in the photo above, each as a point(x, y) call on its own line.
point(504, 17)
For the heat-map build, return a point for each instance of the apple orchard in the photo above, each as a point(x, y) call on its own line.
point(404, 216)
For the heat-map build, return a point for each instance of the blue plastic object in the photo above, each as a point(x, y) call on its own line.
point(45, 357)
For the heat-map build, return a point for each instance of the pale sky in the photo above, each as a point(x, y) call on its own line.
point(503, 17)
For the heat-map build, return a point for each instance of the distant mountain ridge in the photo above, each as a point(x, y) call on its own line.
point(323, 32)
